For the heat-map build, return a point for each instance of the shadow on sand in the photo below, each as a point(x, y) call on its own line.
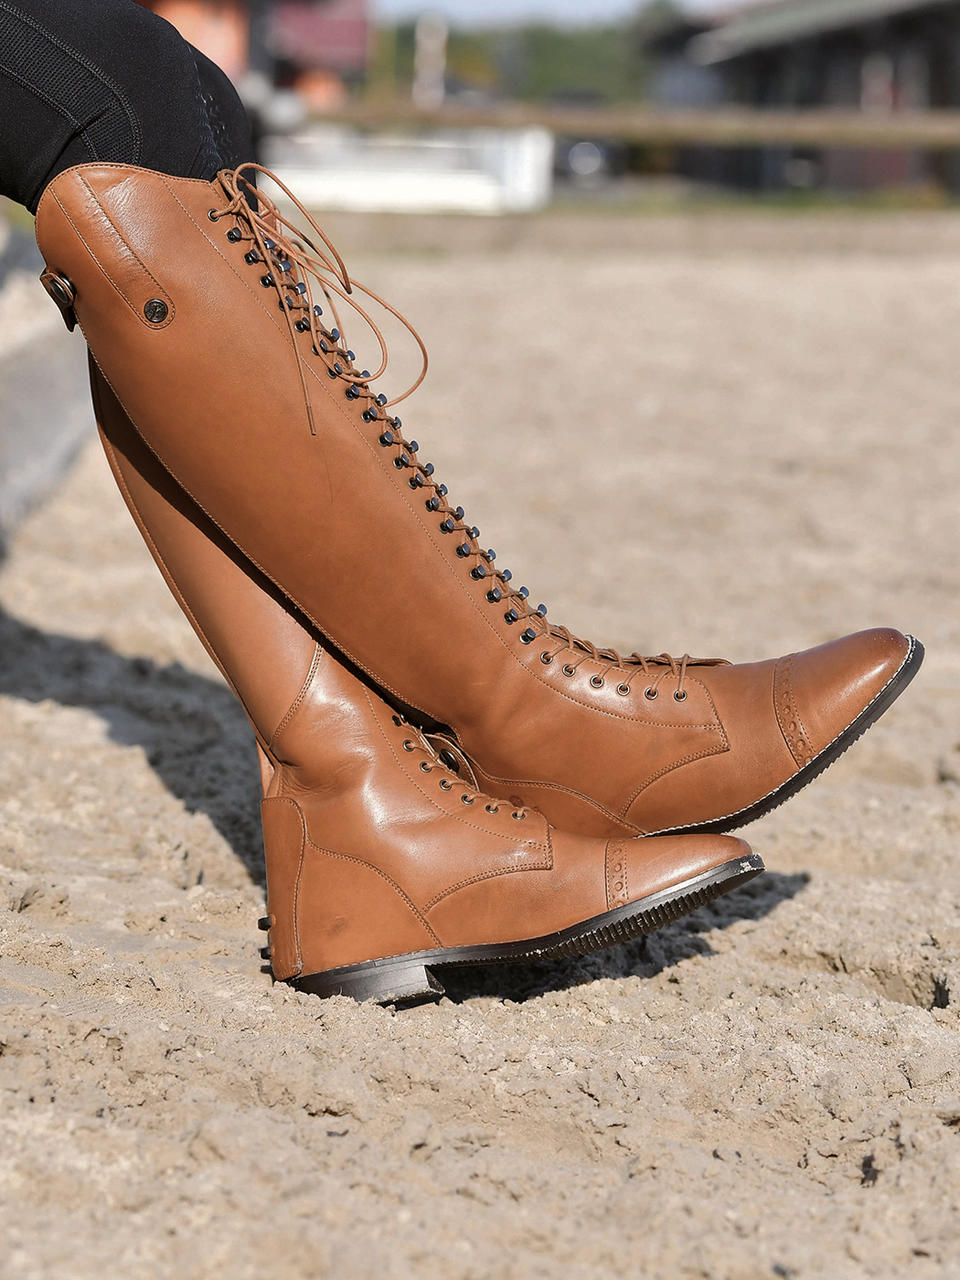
point(190, 727)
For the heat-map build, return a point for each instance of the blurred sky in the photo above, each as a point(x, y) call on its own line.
point(480, 12)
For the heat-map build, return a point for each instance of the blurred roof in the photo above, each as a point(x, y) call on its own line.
point(333, 34)
point(778, 22)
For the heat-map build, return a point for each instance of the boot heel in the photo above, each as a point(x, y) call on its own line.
point(385, 981)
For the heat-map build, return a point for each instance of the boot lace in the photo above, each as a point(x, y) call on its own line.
point(304, 266)
point(441, 754)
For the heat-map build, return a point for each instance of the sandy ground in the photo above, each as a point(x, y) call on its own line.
point(733, 437)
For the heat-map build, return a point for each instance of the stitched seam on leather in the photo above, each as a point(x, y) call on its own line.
point(136, 257)
point(299, 875)
point(517, 783)
point(112, 164)
point(298, 701)
point(347, 857)
point(487, 875)
point(106, 274)
point(621, 814)
point(447, 813)
point(545, 865)
point(723, 745)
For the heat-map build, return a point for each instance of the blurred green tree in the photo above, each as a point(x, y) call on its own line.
point(536, 62)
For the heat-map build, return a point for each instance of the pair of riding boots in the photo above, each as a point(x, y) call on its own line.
point(448, 776)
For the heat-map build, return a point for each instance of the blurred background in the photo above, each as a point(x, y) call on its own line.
point(493, 105)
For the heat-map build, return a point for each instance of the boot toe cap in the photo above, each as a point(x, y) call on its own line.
point(820, 692)
point(638, 868)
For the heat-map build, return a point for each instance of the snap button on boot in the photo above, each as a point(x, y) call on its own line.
point(156, 311)
point(63, 293)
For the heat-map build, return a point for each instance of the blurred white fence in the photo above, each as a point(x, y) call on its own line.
point(485, 171)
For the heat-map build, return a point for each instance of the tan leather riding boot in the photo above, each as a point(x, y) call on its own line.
point(384, 865)
point(215, 326)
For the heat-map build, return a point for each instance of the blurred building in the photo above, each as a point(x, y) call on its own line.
point(319, 47)
point(878, 56)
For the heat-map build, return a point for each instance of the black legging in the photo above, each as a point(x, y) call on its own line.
point(108, 80)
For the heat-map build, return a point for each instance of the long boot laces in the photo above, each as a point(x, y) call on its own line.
point(302, 266)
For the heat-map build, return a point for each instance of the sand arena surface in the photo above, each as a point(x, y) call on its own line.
point(736, 438)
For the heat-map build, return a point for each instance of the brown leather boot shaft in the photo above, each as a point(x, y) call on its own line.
point(374, 849)
point(188, 299)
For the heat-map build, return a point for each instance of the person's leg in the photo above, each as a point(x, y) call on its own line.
point(107, 80)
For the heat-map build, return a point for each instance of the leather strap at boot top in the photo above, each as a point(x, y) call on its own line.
point(134, 283)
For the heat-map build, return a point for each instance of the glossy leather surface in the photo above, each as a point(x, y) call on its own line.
point(373, 847)
point(217, 391)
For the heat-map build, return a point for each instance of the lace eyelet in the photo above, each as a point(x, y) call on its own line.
point(213, 215)
point(651, 693)
point(465, 799)
point(408, 745)
point(568, 670)
point(623, 690)
point(680, 695)
point(446, 784)
point(597, 682)
point(234, 234)
point(267, 280)
point(546, 658)
point(519, 816)
point(528, 636)
point(492, 808)
point(425, 766)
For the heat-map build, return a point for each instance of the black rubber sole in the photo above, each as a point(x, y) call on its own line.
point(888, 695)
point(414, 976)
